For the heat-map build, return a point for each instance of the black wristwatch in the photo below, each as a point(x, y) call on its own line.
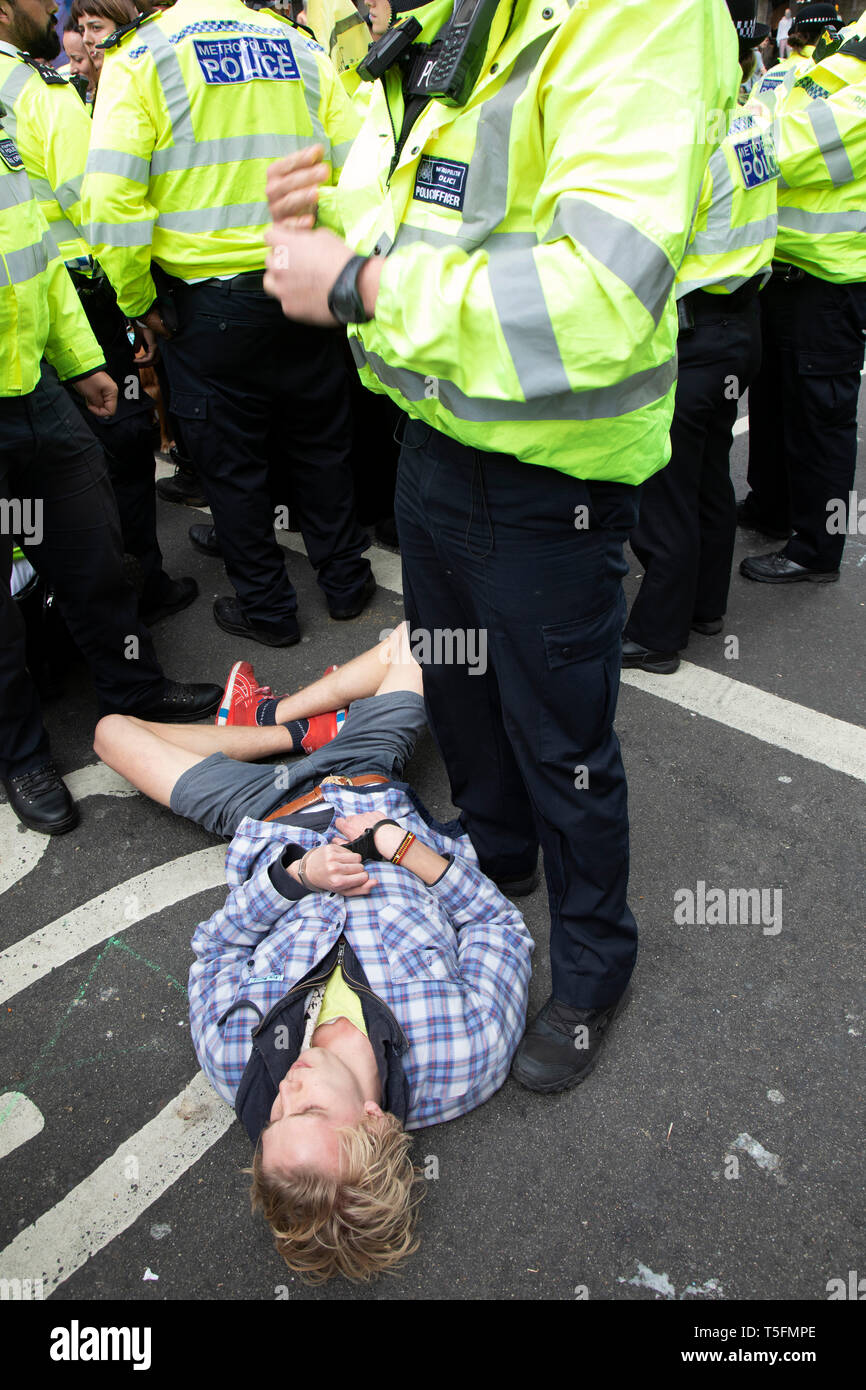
point(344, 300)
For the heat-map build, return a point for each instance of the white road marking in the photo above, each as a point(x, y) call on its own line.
point(742, 425)
point(20, 1120)
point(783, 723)
point(120, 1189)
point(23, 849)
point(106, 915)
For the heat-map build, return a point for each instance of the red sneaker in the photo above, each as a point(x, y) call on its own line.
point(241, 697)
point(323, 728)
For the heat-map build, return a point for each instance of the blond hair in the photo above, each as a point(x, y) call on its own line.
point(359, 1224)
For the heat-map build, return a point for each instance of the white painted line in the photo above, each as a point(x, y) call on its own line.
point(20, 1120)
point(117, 1192)
point(780, 722)
point(387, 568)
point(107, 915)
point(742, 425)
point(22, 849)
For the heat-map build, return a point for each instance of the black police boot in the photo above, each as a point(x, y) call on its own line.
point(638, 658)
point(185, 487)
point(41, 800)
point(350, 608)
point(170, 596)
point(229, 615)
point(181, 704)
point(776, 568)
point(562, 1045)
point(204, 538)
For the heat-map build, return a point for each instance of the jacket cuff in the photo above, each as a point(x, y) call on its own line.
point(91, 371)
point(284, 882)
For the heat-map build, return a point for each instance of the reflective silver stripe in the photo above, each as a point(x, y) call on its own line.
point(495, 243)
point(729, 282)
point(216, 219)
point(624, 249)
point(28, 261)
point(486, 201)
point(309, 70)
point(525, 321)
point(830, 142)
point(119, 234)
point(734, 238)
point(15, 189)
point(118, 162)
point(62, 230)
point(15, 83)
point(230, 149)
point(42, 189)
point(69, 192)
point(602, 403)
point(821, 223)
point(340, 153)
point(170, 75)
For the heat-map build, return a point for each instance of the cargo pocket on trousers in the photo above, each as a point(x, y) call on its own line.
point(189, 407)
point(827, 395)
point(580, 684)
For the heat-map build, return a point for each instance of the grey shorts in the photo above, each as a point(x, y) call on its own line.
point(378, 735)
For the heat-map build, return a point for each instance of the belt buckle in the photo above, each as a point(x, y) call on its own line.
point(334, 780)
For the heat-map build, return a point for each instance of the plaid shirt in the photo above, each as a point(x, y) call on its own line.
point(451, 960)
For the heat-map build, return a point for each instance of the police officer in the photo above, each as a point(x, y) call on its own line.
point(55, 494)
point(803, 403)
point(513, 293)
point(688, 514)
point(51, 128)
point(194, 103)
point(810, 22)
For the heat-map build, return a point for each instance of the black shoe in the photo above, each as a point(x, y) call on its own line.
point(41, 800)
point(636, 657)
point(184, 488)
point(776, 568)
point(181, 704)
point(175, 595)
point(708, 629)
point(518, 887)
point(561, 1045)
point(353, 607)
point(204, 538)
point(229, 615)
point(750, 518)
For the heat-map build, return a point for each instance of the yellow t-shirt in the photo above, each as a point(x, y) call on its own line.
point(341, 1001)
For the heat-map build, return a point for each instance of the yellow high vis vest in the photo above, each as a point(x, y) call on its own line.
point(778, 80)
point(40, 313)
point(820, 131)
point(343, 34)
point(192, 107)
point(50, 125)
point(533, 235)
point(734, 235)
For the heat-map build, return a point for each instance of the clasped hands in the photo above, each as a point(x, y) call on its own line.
point(332, 868)
point(305, 260)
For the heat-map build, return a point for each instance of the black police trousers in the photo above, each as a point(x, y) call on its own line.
point(54, 486)
point(515, 614)
point(803, 412)
point(688, 513)
point(263, 404)
point(127, 437)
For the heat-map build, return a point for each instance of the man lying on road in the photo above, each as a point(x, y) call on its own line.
point(363, 977)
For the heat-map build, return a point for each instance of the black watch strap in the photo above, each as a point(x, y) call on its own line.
point(365, 844)
point(344, 300)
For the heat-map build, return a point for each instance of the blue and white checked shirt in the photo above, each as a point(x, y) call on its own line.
point(451, 961)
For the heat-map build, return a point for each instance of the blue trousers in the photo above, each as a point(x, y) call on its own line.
point(527, 564)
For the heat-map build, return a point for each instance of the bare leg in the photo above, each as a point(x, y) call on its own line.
point(359, 678)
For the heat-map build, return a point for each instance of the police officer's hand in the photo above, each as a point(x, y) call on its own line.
point(153, 327)
point(293, 187)
point(99, 393)
point(145, 347)
point(302, 267)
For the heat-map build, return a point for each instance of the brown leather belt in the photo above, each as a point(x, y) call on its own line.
point(318, 794)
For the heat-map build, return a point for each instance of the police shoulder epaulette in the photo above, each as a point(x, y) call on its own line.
point(114, 40)
point(854, 48)
point(45, 70)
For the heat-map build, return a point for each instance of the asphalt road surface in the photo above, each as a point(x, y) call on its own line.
point(714, 1154)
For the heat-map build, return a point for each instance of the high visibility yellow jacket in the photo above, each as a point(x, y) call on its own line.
point(40, 313)
point(343, 34)
point(820, 131)
point(734, 234)
point(50, 125)
point(778, 79)
point(533, 235)
point(192, 108)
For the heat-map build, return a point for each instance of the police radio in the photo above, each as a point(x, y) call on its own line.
point(453, 65)
point(388, 49)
